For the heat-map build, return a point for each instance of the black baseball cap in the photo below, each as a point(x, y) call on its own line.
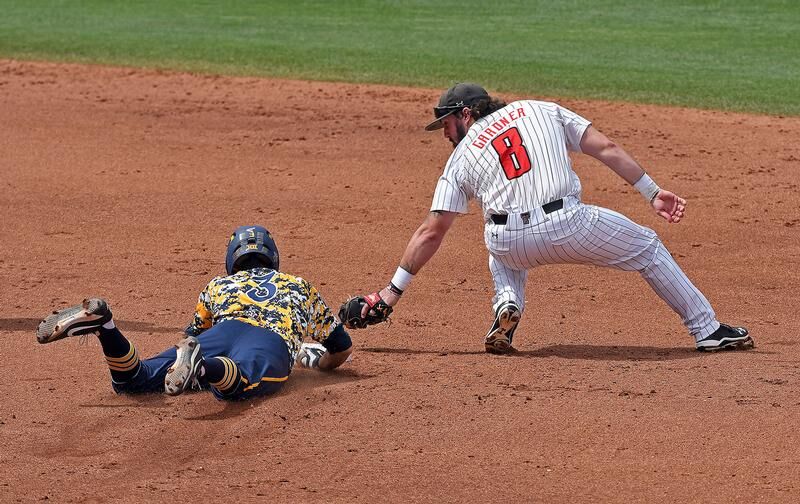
point(463, 94)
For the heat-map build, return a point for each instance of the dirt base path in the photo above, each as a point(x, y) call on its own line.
point(125, 183)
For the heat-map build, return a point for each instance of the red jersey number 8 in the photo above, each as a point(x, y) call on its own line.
point(513, 154)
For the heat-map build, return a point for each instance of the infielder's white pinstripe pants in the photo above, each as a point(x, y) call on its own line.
point(588, 234)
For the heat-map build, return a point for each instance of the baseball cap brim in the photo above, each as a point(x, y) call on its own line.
point(437, 123)
point(463, 94)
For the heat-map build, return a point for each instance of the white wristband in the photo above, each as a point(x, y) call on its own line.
point(402, 278)
point(647, 187)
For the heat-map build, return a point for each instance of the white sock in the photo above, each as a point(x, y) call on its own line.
point(109, 325)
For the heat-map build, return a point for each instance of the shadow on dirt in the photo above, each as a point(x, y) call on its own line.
point(299, 381)
point(612, 352)
point(581, 352)
point(230, 409)
point(148, 401)
point(309, 378)
point(30, 324)
point(413, 351)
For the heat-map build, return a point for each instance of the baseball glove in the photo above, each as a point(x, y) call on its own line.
point(350, 311)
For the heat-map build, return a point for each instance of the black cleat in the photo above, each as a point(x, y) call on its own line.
point(726, 337)
point(498, 339)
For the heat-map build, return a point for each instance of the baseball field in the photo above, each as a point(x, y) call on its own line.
point(135, 136)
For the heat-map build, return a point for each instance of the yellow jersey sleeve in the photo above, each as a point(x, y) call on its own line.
point(321, 321)
point(203, 315)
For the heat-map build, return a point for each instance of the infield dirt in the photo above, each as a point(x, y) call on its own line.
point(125, 184)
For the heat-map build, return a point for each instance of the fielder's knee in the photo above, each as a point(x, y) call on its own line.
point(650, 254)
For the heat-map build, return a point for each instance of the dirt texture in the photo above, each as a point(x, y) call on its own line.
point(126, 183)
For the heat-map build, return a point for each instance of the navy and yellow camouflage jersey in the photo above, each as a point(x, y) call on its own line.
point(282, 303)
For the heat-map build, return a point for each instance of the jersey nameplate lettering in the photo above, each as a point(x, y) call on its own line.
point(496, 127)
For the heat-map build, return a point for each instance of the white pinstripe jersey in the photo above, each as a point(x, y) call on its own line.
point(513, 160)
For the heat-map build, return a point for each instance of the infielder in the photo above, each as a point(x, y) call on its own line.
point(514, 160)
point(246, 334)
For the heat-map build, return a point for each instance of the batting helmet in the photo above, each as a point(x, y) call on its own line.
point(248, 240)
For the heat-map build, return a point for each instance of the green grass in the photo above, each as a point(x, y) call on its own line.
point(725, 54)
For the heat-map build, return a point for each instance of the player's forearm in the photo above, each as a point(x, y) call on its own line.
point(330, 361)
point(627, 168)
point(422, 246)
point(426, 240)
point(621, 163)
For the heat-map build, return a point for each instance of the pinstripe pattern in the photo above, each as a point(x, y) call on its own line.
point(548, 132)
point(577, 234)
point(587, 234)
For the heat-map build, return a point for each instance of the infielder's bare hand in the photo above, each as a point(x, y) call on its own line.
point(669, 205)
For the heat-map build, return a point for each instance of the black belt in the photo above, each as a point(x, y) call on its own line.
point(551, 207)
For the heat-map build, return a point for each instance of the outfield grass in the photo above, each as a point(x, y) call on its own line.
point(726, 54)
